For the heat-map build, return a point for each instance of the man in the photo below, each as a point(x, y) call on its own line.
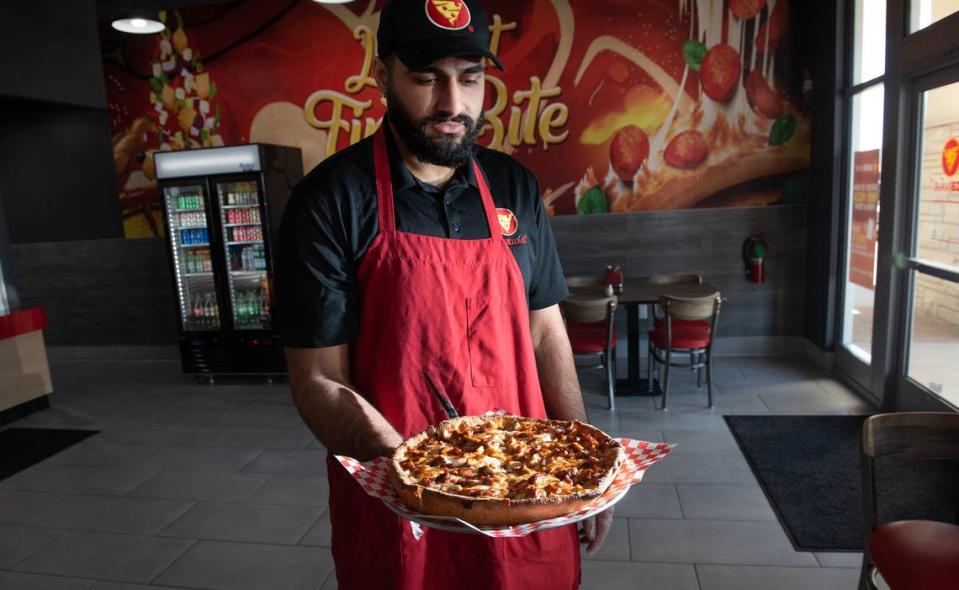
point(405, 259)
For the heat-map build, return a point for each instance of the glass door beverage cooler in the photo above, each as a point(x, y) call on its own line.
point(222, 207)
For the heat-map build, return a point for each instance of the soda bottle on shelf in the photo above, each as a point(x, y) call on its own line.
point(264, 308)
point(241, 307)
point(209, 310)
point(195, 310)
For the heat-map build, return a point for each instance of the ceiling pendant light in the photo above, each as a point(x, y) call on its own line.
point(138, 23)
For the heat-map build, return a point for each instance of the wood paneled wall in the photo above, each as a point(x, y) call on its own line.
point(707, 242)
point(119, 292)
point(99, 292)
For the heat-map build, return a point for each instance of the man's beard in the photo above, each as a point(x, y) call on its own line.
point(448, 150)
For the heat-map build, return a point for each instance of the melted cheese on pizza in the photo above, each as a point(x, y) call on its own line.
point(514, 458)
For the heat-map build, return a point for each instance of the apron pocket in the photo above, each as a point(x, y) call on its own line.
point(487, 327)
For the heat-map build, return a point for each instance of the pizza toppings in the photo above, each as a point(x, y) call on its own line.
point(720, 71)
point(746, 9)
point(511, 458)
point(627, 152)
point(761, 97)
point(687, 150)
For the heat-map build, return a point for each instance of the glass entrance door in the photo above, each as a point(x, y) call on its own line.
point(930, 349)
point(864, 94)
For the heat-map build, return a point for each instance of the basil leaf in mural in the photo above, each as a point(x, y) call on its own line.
point(693, 52)
point(594, 201)
point(783, 129)
point(157, 85)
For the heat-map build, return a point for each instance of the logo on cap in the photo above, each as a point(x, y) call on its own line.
point(451, 15)
point(507, 221)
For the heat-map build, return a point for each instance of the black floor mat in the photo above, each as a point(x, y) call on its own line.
point(809, 467)
point(23, 447)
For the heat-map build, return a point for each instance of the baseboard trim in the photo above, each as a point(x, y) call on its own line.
point(113, 352)
point(740, 346)
point(23, 410)
point(824, 360)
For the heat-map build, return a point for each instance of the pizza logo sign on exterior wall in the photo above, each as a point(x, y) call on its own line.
point(452, 15)
point(950, 157)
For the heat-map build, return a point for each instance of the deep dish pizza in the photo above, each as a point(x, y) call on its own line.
point(504, 470)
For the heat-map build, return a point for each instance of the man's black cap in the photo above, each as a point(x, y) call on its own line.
point(420, 32)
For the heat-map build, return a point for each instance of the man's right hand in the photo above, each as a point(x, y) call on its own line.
point(342, 419)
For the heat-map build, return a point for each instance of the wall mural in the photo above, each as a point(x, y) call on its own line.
point(615, 105)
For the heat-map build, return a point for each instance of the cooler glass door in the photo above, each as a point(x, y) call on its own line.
point(188, 232)
point(241, 219)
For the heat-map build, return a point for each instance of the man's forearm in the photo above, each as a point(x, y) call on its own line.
point(554, 363)
point(343, 420)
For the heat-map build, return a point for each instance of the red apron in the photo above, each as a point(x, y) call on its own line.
point(455, 309)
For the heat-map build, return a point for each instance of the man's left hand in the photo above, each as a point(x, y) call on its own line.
point(594, 530)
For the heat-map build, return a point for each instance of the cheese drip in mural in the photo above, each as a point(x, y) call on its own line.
point(731, 128)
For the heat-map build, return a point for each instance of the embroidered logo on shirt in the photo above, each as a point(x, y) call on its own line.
point(507, 221)
point(451, 15)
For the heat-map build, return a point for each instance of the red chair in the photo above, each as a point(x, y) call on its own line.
point(909, 554)
point(688, 326)
point(674, 280)
point(589, 323)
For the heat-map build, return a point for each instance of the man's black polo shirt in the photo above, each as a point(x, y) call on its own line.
point(332, 218)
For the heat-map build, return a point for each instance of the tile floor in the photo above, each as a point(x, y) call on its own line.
point(222, 487)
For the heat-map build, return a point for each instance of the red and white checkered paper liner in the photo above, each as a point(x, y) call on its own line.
point(373, 477)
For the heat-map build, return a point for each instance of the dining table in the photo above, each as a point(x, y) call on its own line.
point(634, 293)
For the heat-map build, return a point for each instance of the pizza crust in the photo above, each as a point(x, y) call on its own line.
point(495, 511)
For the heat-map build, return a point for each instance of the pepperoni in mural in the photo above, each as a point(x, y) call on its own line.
point(616, 106)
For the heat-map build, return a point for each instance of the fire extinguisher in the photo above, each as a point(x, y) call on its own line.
point(754, 257)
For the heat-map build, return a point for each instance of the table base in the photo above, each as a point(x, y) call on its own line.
point(637, 388)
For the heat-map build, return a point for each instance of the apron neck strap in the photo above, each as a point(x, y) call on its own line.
point(384, 182)
point(384, 188)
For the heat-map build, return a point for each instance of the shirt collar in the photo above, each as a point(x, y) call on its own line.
point(403, 179)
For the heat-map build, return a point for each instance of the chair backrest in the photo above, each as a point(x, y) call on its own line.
point(690, 308)
point(918, 435)
point(906, 435)
point(588, 311)
point(586, 281)
point(674, 279)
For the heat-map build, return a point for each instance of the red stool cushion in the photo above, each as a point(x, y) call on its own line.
point(588, 338)
point(661, 324)
point(917, 554)
point(689, 337)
